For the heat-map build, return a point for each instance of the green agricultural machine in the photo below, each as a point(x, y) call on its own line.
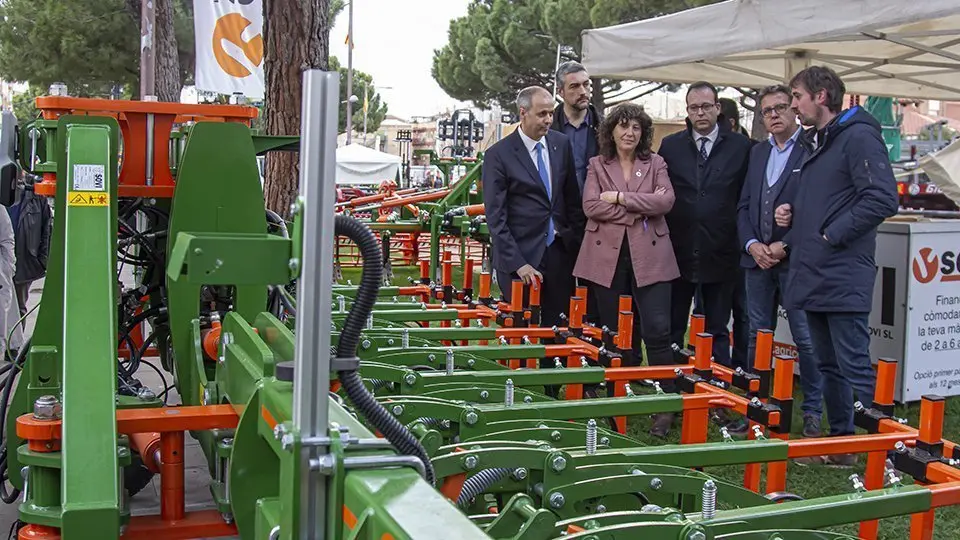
point(361, 411)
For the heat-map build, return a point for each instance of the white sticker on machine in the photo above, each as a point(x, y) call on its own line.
point(88, 178)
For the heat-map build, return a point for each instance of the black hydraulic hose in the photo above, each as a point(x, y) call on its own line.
point(480, 482)
point(781, 496)
point(11, 497)
point(395, 432)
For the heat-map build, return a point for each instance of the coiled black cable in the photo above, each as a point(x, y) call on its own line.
point(395, 432)
point(480, 482)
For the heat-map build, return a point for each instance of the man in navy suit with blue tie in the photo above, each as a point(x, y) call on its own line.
point(533, 206)
point(773, 179)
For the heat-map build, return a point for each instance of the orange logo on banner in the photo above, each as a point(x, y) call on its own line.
point(928, 272)
point(927, 265)
point(230, 27)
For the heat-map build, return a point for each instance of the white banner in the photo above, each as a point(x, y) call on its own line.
point(229, 46)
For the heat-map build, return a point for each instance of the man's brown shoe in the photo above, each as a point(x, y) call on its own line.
point(662, 422)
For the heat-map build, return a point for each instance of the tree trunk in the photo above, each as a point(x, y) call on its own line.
point(168, 57)
point(297, 38)
point(167, 77)
point(598, 94)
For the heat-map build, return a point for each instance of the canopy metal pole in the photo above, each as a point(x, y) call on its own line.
point(318, 145)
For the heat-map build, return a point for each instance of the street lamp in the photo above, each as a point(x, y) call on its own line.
point(366, 105)
point(350, 102)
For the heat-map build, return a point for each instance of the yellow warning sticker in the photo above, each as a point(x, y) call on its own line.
point(88, 198)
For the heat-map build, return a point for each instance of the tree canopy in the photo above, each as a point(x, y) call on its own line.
point(377, 108)
point(501, 46)
point(91, 45)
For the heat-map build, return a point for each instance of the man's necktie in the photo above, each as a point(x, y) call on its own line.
point(545, 178)
point(703, 149)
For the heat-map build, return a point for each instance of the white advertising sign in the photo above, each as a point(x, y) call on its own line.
point(888, 317)
point(933, 320)
point(229, 46)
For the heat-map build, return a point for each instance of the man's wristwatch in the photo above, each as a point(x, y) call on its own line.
point(785, 246)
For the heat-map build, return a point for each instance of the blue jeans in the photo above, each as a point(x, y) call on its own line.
point(764, 291)
point(842, 344)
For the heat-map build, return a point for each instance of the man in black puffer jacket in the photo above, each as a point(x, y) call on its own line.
point(32, 222)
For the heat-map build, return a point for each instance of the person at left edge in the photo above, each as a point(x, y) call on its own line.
point(533, 206)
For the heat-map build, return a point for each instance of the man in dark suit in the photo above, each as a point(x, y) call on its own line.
point(707, 163)
point(533, 206)
point(773, 179)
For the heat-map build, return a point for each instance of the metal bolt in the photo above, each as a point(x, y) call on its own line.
point(293, 264)
point(508, 393)
point(559, 463)
point(756, 402)
point(656, 484)
point(410, 379)
point(758, 433)
point(651, 508)
point(445, 424)
point(520, 474)
point(738, 371)
point(431, 358)
point(370, 321)
point(656, 386)
point(471, 418)
point(605, 441)
point(342, 303)
point(528, 399)
point(47, 408)
point(678, 372)
point(696, 535)
point(726, 434)
point(709, 510)
point(471, 362)
point(858, 406)
point(365, 344)
point(601, 508)
point(397, 410)
point(390, 342)
point(471, 462)
point(583, 362)
point(227, 517)
point(892, 478)
point(555, 436)
point(900, 447)
point(484, 395)
point(629, 388)
point(145, 394)
point(557, 500)
point(857, 483)
point(449, 361)
point(278, 431)
point(591, 437)
point(287, 441)
point(557, 363)
point(405, 338)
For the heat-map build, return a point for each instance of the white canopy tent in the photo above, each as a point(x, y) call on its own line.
point(359, 165)
point(891, 48)
point(943, 168)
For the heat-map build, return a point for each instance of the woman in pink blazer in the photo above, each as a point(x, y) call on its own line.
point(626, 248)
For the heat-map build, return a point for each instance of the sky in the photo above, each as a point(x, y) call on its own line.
point(394, 42)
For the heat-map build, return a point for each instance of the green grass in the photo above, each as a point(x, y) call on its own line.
point(808, 482)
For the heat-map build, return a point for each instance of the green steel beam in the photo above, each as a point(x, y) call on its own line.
point(90, 508)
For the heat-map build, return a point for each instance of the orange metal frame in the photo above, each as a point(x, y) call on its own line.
point(133, 119)
point(173, 522)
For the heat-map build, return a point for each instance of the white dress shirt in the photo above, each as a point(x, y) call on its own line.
point(711, 138)
point(532, 151)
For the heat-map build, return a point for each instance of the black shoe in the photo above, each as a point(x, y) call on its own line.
point(811, 426)
point(738, 427)
point(662, 422)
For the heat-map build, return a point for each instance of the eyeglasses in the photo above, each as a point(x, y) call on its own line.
point(779, 107)
point(705, 107)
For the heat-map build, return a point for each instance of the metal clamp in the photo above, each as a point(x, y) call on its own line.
point(345, 364)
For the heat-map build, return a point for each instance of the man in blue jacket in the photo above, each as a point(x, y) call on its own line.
point(847, 190)
point(773, 179)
